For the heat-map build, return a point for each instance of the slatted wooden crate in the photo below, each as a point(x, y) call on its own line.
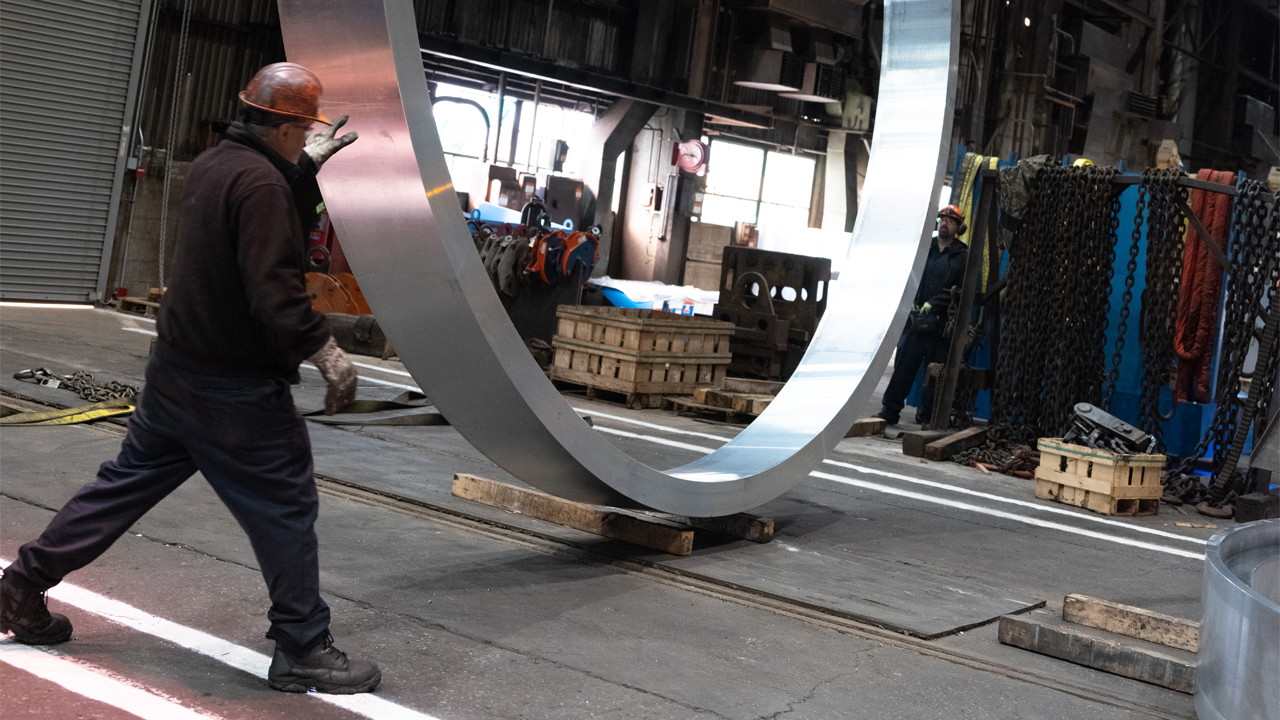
point(1105, 482)
point(643, 354)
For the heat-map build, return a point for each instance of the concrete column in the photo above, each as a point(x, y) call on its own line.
point(673, 245)
point(840, 193)
point(610, 135)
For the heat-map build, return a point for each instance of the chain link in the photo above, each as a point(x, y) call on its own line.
point(80, 383)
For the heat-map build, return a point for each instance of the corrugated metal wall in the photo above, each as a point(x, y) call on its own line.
point(228, 41)
point(64, 102)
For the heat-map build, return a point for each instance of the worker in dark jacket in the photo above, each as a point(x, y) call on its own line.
point(923, 341)
point(234, 325)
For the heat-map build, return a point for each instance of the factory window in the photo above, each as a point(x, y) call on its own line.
point(746, 184)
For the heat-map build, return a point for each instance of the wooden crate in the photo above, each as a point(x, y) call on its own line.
point(639, 352)
point(1105, 482)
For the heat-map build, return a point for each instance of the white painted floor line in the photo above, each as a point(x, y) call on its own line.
point(656, 440)
point(375, 381)
point(1023, 503)
point(896, 476)
point(655, 426)
point(238, 657)
point(94, 685)
point(47, 306)
point(379, 368)
point(951, 503)
point(1008, 516)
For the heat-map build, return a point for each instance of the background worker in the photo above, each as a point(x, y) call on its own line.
point(923, 341)
point(234, 325)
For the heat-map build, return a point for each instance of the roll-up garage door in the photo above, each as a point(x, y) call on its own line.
point(67, 76)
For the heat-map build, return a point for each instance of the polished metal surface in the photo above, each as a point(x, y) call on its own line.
point(1238, 660)
point(392, 203)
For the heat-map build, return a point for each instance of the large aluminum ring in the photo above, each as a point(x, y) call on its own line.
point(394, 207)
point(1238, 658)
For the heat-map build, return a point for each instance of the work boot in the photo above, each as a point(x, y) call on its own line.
point(323, 668)
point(886, 417)
point(27, 616)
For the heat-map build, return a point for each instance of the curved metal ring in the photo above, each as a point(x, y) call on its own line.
point(394, 206)
point(1238, 658)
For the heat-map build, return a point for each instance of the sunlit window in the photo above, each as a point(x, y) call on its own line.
point(746, 184)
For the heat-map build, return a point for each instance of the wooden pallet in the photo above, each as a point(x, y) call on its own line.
point(137, 306)
point(639, 352)
point(684, 406)
point(1105, 482)
point(635, 401)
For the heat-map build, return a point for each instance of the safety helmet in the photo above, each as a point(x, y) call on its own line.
point(286, 89)
point(952, 212)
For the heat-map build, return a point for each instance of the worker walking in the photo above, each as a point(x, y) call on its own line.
point(923, 341)
point(234, 325)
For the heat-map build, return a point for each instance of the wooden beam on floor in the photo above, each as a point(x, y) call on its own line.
point(635, 528)
point(944, 448)
point(913, 443)
point(866, 427)
point(1134, 622)
point(1156, 664)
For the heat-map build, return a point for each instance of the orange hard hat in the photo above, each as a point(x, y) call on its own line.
point(286, 89)
point(952, 212)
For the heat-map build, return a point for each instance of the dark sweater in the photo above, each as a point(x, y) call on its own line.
point(942, 271)
point(237, 303)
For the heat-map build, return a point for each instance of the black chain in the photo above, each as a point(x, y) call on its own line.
point(80, 383)
point(1053, 335)
point(1157, 324)
point(1254, 256)
point(1122, 328)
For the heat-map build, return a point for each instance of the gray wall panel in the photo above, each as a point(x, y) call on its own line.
point(67, 69)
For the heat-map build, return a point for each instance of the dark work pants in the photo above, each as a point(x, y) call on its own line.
point(247, 439)
point(914, 350)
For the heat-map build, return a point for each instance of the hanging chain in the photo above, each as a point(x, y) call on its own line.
point(183, 33)
point(1254, 256)
point(1157, 324)
point(1053, 335)
point(1130, 279)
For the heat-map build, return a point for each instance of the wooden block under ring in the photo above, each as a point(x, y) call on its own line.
point(742, 525)
point(1134, 622)
point(642, 530)
point(866, 427)
point(913, 443)
point(944, 448)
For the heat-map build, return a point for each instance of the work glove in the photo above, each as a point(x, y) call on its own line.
point(322, 144)
point(339, 373)
point(925, 308)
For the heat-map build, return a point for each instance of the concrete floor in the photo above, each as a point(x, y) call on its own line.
point(476, 613)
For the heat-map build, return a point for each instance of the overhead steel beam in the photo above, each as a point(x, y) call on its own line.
point(393, 204)
point(498, 59)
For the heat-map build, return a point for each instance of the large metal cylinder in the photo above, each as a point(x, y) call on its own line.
point(1238, 669)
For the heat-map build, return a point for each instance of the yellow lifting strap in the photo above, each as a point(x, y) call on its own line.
point(71, 416)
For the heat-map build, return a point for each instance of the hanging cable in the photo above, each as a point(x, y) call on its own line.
point(173, 122)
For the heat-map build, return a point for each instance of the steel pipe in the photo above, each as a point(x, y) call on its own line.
point(392, 202)
point(1238, 659)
